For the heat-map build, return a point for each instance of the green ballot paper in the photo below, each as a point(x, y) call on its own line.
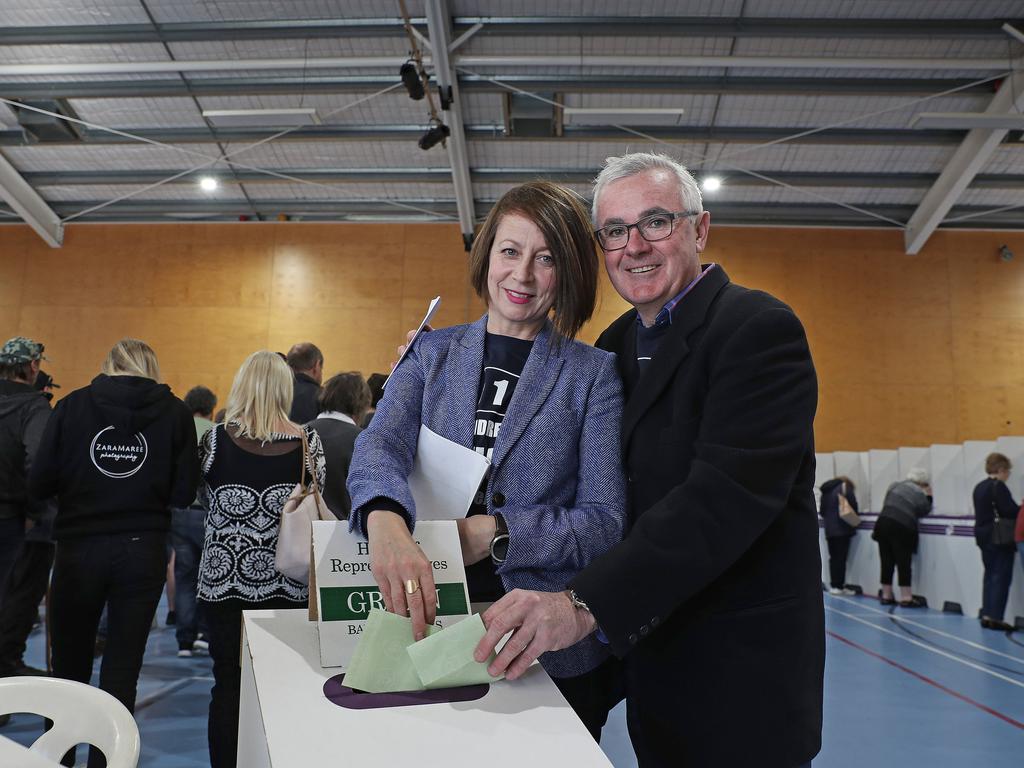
point(445, 659)
point(386, 660)
point(379, 663)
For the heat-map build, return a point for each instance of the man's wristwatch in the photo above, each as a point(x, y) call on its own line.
point(499, 544)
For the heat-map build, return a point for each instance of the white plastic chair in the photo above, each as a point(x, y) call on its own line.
point(80, 713)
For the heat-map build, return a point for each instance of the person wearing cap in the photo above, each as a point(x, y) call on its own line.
point(23, 416)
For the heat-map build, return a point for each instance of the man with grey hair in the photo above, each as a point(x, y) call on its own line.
point(713, 600)
point(307, 363)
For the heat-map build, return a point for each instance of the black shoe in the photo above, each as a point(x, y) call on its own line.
point(24, 670)
point(172, 619)
point(1000, 626)
point(915, 602)
point(886, 600)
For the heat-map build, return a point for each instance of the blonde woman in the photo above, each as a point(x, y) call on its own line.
point(250, 464)
point(118, 454)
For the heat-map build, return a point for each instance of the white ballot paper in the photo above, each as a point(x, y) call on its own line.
point(445, 477)
point(431, 310)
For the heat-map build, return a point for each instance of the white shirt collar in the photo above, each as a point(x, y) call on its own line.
point(338, 416)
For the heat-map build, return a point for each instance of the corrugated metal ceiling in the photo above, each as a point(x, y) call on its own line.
point(734, 119)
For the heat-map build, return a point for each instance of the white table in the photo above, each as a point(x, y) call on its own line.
point(285, 719)
point(14, 755)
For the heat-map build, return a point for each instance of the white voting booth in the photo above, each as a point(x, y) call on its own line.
point(947, 566)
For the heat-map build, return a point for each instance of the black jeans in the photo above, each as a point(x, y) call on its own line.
point(187, 530)
point(838, 551)
point(594, 694)
point(124, 571)
point(998, 563)
point(896, 545)
point(225, 624)
point(12, 532)
point(26, 587)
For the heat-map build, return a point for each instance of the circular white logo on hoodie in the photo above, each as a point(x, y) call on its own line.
point(117, 453)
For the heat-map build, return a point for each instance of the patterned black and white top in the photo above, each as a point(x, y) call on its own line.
point(245, 485)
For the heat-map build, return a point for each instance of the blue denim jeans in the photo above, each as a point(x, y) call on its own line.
point(187, 531)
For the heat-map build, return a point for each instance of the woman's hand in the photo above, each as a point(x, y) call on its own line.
point(475, 534)
point(397, 561)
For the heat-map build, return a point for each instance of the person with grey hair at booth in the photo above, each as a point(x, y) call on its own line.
point(906, 502)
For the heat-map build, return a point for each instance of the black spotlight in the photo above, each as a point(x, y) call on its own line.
point(412, 81)
point(437, 133)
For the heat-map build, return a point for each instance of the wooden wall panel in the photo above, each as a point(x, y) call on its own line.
point(909, 349)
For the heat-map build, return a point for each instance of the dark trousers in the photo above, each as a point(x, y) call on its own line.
point(995, 589)
point(12, 532)
point(838, 551)
point(26, 587)
point(896, 545)
point(187, 531)
point(124, 571)
point(594, 694)
point(225, 624)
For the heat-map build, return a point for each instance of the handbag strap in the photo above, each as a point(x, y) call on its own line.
point(995, 509)
point(314, 486)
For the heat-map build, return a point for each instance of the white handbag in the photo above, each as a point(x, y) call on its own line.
point(295, 536)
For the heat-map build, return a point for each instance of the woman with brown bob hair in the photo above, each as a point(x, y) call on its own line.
point(543, 408)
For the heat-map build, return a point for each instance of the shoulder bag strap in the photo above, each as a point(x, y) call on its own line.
point(995, 508)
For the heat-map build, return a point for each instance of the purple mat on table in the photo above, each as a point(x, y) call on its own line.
point(338, 693)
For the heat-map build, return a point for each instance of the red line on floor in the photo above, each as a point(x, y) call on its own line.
point(929, 681)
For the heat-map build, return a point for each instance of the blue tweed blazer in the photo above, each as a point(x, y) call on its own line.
point(557, 459)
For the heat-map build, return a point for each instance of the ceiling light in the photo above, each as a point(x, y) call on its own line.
point(411, 80)
point(623, 110)
point(711, 184)
point(437, 133)
point(208, 184)
point(285, 116)
point(968, 120)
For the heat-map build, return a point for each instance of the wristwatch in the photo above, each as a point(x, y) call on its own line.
point(499, 544)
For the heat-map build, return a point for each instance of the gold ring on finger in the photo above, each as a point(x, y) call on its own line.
point(412, 586)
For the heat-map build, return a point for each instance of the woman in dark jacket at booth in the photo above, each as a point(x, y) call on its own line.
point(118, 454)
point(838, 532)
point(992, 498)
point(906, 502)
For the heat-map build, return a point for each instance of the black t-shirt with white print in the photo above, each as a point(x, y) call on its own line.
point(504, 360)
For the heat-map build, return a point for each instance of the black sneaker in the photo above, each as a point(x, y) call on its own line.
point(24, 670)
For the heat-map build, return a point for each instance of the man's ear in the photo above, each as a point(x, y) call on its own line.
point(703, 230)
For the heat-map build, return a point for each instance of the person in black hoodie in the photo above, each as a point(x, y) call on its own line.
point(118, 454)
point(837, 531)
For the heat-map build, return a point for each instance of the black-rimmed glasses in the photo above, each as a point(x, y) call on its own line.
point(652, 228)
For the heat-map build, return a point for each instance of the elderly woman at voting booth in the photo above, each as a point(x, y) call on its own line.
point(545, 410)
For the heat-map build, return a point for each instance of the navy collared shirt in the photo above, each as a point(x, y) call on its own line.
point(649, 338)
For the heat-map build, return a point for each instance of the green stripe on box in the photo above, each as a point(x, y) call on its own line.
point(354, 603)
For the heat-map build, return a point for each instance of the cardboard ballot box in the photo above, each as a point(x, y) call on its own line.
point(345, 591)
point(287, 721)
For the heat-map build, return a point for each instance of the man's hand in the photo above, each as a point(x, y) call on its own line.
point(475, 535)
point(539, 622)
point(395, 559)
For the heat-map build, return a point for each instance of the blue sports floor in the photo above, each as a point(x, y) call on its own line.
point(903, 688)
